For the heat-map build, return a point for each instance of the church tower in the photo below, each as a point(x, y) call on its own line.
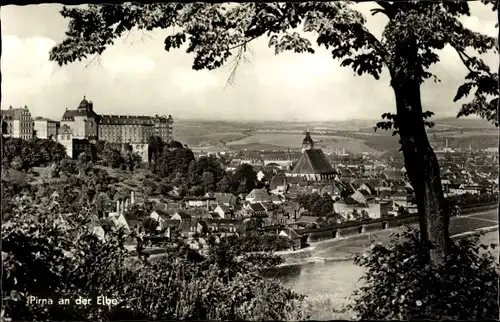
point(307, 143)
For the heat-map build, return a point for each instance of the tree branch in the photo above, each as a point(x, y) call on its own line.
point(243, 43)
point(465, 60)
point(461, 55)
point(388, 8)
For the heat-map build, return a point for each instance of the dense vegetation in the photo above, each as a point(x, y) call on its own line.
point(46, 259)
point(401, 285)
point(468, 199)
point(22, 154)
point(117, 159)
point(259, 242)
point(176, 163)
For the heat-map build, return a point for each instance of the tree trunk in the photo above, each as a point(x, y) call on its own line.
point(498, 102)
point(420, 160)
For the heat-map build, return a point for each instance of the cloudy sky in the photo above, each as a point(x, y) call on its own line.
point(136, 76)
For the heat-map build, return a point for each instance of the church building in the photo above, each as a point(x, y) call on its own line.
point(313, 164)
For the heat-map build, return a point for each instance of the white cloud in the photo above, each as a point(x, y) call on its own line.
point(134, 64)
point(136, 76)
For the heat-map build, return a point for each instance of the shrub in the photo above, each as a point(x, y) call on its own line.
point(399, 284)
point(52, 256)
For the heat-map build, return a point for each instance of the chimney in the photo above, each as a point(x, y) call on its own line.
point(118, 206)
point(122, 207)
point(132, 199)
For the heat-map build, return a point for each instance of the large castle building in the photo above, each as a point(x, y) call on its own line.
point(85, 123)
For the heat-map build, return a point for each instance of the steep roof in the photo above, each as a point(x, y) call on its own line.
point(126, 119)
point(12, 113)
point(224, 197)
point(313, 161)
point(290, 233)
point(184, 215)
point(258, 194)
point(224, 208)
point(170, 223)
point(308, 219)
point(257, 207)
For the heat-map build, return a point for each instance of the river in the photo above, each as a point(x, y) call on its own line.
point(334, 281)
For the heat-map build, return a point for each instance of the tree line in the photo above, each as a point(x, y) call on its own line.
point(22, 154)
point(175, 163)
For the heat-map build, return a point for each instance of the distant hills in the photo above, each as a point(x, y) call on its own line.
point(350, 125)
point(464, 123)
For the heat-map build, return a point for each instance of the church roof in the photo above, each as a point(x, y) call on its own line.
point(84, 103)
point(313, 162)
point(307, 139)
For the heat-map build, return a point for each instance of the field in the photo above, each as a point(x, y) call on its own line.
point(209, 139)
point(262, 140)
point(355, 137)
point(207, 133)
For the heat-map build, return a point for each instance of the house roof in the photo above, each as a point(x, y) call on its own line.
point(313, 161)
point(12, 113)
point(170, 223)
point(223, 221)
point(69, 115)
point(184, 215)
point(290, 233)
point(224, 208)
point(365, 193)
point(197, 212)
point(258, 193)
point(224, 197)
point(308, 219)
point(162, 213)
point(394, 175)
point(274, 198)
point(358, 196)
point(257, 207)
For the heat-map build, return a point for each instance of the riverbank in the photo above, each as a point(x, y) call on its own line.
point(347, 248)
point(329, 285)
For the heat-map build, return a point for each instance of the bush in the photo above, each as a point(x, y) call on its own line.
point(34, 153)
point(401, 285)
point(47, 259)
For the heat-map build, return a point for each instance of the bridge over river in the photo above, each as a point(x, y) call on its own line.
point(471, 218)
point(333, 281)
